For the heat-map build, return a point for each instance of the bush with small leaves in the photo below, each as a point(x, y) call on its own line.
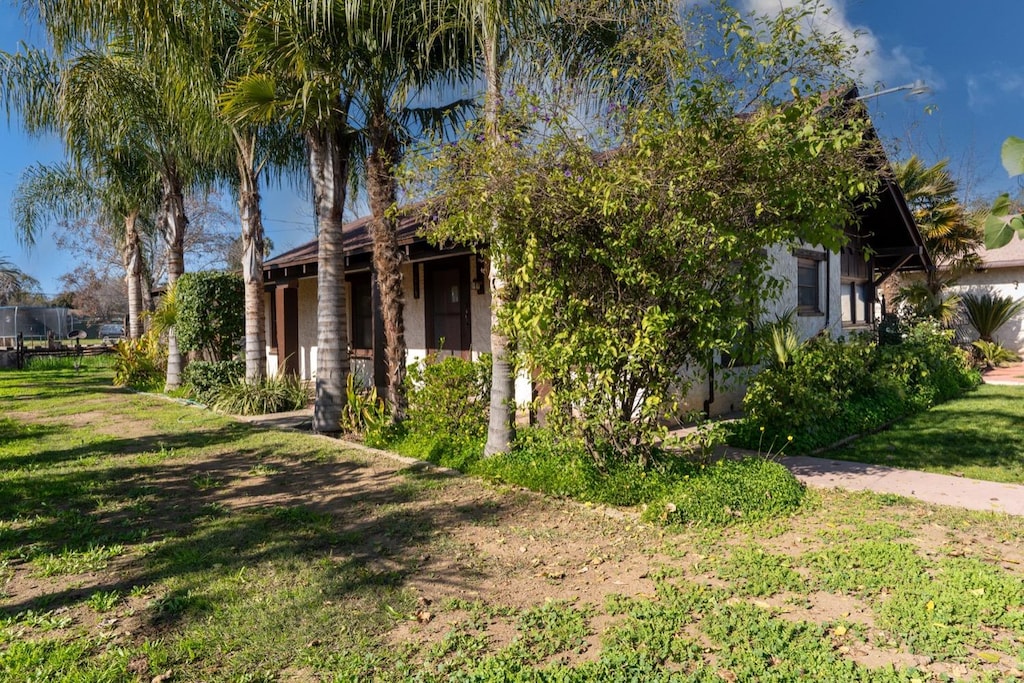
point(204, 378)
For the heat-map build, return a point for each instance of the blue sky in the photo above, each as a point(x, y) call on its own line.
point(968, 53)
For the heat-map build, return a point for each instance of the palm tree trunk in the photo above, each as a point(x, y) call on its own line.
point(252, 259)
point(329, 152)
point(501, 424)
point(174, 236)
point(387, 259)
point(133, 275)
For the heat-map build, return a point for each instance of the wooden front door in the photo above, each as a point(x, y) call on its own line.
point(447, 305)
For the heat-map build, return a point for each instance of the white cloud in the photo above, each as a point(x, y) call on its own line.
point(875, 64)
point(997, 85)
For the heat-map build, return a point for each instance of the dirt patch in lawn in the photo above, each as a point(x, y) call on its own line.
point(448, 537)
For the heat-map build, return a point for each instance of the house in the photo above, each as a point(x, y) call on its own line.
point(447, 298)
point(831, 293)
point(1001, 272)
point(445, 290)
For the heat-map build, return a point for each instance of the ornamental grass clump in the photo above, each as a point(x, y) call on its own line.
point(276, 394)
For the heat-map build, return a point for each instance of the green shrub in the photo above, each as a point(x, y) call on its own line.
point(140, 363)
point(544, 461)
point(449, 400)
point(271, 395)
point(729, 491)
point(210, 314)
point(833, 389)
point(993, 354)
point(204, 378)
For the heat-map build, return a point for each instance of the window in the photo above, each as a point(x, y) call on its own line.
point(808, 286)
point(857, 305)
point(857, 292)
point(362, 312)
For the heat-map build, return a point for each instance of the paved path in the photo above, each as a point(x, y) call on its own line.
point(1012, 374)
point(941, 489)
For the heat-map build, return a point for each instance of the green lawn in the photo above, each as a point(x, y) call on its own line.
point(980, 436)
point(140, 537)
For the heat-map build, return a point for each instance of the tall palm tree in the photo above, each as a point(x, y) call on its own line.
point(301, 75)
point(398, 61)
point(255, 146)
point(587, 44)
point(67, 192)
point(114, 93)
point(116, 185)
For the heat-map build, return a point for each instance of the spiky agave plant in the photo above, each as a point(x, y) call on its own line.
point(987, 312)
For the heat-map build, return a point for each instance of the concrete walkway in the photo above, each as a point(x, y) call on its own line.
point(1008, 375)
point(941, 489)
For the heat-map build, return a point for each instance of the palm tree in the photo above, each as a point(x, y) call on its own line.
point(115, 98)
point(951, 233)
point(14, 282)
point(302, 76)
point(100, 180)
point(586, 43)
point(395, 61)
point(66, 192)
point(212, 65)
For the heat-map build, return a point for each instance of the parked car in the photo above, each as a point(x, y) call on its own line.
point(111, 332)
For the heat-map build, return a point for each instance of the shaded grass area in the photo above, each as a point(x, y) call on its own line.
point(155, 537)
point(978, 436)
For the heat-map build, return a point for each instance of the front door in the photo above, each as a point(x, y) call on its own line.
point(447, 304)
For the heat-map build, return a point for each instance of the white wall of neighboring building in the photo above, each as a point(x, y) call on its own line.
point(1004, 282)
point(1002, 273)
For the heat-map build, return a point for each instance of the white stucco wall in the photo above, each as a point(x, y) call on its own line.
point(1005, 282)
point(731, 384)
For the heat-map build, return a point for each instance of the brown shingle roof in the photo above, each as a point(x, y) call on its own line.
point(357, 241)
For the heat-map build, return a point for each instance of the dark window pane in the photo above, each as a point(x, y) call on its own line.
point(362, 314)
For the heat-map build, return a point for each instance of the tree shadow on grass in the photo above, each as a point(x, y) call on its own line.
point(121, 447)
point(212, 519)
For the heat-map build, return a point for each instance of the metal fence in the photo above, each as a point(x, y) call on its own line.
point(33, 322)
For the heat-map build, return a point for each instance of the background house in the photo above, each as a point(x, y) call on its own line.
point(1001, 272)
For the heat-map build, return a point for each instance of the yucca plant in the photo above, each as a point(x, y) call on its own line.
point(780, 339)
point(364, 410)
point(988, 312)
